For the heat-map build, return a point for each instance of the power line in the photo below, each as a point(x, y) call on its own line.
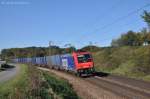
point(122, 25)
point(108, 38)
point(124, 17)
point(105, 12)
point(119, 19)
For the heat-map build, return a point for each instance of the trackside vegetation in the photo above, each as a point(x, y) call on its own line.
point(127, 61)
point(16, 86)
point(5, 67)
point(60, 86)
point(32, 83)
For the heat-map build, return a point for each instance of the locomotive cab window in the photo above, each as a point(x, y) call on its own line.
point(84, 58)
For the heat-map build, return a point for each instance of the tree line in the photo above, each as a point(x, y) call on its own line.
point(132, 38)
point(34, 52)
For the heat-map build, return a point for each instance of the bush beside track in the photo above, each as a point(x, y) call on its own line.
point(32, 83)
point(60, 86)
point(5, 66)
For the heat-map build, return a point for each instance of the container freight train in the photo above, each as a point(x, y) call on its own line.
point(79, 62)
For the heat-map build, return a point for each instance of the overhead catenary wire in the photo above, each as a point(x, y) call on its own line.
point(114, 6)
point(117, 20)
point(124, 17)
point(122, 25)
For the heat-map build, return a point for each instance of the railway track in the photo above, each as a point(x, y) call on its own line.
point(125, 88)
point(119, 89)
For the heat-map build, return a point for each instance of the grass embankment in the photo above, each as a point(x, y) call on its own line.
point(32, 83)
point(60, 86)
point(127, 61)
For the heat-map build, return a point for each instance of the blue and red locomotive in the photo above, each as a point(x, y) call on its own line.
point(79, 62)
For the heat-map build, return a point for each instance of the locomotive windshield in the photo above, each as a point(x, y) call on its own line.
point(84, 58)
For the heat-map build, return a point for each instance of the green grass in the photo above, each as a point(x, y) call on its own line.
point(32, 83)
point(38, 87)
point(60, 86)
point(128, 61)
point(146, 78)
point(16, 85)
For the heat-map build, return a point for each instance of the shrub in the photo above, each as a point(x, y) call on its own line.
point(60, 86)
point(6, 66)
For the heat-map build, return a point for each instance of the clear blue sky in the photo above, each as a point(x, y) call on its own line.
point(36, 22)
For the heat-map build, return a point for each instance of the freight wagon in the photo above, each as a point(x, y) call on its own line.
point(78, 62)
